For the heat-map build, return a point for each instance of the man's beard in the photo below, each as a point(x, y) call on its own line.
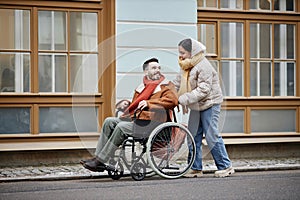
point(155, 76)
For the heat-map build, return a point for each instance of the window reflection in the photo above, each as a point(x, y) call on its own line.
point(260, 40)
point(260, 76)
point(84, 73)
point(52, 30)
point(208, 3)
point(68, 119)
point(83, 33)
point(232, 40)
point(232, 4)
point(14, 72)
point(15, 29)
point(207, 36)
point(52, 73)
point(285, 79)
point(284, 41)
point(284, 5)
point(231, 121)
point(273, 120)
point(232, 78)
point(260, 4)
point(14, 120)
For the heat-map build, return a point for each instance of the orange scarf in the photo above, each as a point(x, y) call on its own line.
point(150, 86)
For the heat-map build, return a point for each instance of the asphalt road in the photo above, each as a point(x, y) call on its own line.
point(244, 185)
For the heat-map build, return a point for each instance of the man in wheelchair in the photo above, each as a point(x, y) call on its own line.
point(155, 97)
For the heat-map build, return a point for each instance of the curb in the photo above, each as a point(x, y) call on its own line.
point(89, 176)
point(261, 168)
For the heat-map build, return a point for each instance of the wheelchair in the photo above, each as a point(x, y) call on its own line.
point(168, 151)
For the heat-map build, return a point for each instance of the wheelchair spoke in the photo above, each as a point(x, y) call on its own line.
point(168, 150)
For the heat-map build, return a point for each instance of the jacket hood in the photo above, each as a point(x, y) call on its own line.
point(197, 47)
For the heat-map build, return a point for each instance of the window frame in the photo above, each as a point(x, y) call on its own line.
point(105, 10)
point(246, 6)
point(247, 101)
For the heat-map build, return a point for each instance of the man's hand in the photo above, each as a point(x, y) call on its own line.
point(143, 104)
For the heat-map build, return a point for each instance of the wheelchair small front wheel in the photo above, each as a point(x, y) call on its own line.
point(116, 170)
point(138, 171)
point(171, 150)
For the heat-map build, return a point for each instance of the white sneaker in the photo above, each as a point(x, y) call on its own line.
point(224, 172)
point(193, 173)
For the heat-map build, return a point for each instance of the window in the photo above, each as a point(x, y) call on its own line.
point(52, 30)
point(231, 121)
point(14, 50)
point(272, 63)
point(208, 3)
point(47, 53)
point(285, 79)
point(54, 51)
point(231, 4)
point(260, 40)
point(224, 4)
point(280, 5)
point(228, 56)
point(207, 34)
point(262, 65)
point(260, 49)
point(284, 5)
point(232, 65)
point(284, 41)
point(258, 5)
point(68, 119)
point(255, 54)
point(14, 120)
point(273, 120)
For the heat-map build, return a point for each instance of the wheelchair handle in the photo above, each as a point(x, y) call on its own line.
point(135, 113)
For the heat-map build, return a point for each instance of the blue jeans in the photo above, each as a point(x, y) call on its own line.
point(206, 122)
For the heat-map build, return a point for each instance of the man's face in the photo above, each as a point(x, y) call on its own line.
point(153, 71)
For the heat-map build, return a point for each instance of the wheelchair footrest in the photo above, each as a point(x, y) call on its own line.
point(110, 168)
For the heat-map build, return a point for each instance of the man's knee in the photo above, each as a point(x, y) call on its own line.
point(123, 128)
point(110, 122)
point(110, 119)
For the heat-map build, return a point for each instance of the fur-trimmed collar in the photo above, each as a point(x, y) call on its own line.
point(140, 88)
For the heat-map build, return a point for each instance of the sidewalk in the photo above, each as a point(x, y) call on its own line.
point(76, 171)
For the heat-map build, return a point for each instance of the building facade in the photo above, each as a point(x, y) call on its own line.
point(64, 64)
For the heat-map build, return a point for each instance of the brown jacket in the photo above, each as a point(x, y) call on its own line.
point(163, 99)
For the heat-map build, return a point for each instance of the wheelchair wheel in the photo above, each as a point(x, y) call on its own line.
point(116, 170)
point(138, 171)
point(171, 150)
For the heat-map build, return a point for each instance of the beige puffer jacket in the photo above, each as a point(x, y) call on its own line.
point(204, 80)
